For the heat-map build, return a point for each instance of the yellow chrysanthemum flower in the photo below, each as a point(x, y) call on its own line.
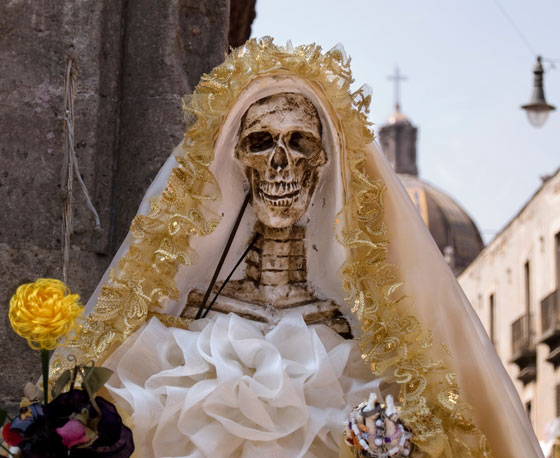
point(44, 312)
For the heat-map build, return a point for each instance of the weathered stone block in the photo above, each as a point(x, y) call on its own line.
point(135, 60)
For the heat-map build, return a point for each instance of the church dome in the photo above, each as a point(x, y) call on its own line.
point(451, 227)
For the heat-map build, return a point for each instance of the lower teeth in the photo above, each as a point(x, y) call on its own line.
point(287, 202)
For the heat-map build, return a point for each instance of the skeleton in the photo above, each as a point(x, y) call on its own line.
point(280, 148)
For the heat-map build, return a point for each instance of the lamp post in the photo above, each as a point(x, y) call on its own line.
point(537, 109)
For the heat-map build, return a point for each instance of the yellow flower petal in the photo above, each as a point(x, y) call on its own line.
point(44, 312)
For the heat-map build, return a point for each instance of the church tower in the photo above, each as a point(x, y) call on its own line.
point(451, 227)
point(398, 141)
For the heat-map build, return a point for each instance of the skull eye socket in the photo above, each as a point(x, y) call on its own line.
point(304, 142)
point(259, 141)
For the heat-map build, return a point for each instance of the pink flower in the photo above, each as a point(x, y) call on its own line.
point(73, 433)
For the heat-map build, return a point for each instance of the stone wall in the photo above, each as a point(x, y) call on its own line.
point(135, 58)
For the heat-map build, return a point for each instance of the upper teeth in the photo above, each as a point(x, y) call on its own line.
point(279, 188)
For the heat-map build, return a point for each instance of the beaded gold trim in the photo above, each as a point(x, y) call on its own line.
point(393, 342)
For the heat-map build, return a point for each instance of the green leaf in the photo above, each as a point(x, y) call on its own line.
point(61, 382)
point(95, 378)
point(3, 416)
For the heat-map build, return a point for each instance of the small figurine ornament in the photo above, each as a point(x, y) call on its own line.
point(374, 430)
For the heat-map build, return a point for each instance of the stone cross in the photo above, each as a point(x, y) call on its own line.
point(397, 78)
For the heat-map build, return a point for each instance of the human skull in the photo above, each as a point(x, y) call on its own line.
point(281, 150)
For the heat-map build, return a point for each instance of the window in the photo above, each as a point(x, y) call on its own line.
point(557, 238)
point(527, 288)
point(528, 409)
point(492, 308)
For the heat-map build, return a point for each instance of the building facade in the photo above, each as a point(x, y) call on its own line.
point(513, 284)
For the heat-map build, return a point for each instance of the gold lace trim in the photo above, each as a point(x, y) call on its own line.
point(393, 342)
point(145, 274)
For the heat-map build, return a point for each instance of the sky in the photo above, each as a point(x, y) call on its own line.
point(468, 71)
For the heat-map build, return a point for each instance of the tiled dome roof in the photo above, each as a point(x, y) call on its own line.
point(450, 225)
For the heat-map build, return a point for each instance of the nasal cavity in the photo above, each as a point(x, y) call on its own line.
point(279, 159)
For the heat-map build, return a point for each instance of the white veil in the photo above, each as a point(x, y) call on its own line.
point(465, 368)
point(443, 307)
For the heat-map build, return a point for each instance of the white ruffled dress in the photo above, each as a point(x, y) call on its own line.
point(225, 389)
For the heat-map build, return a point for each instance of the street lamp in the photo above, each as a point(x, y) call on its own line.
point(537, 109)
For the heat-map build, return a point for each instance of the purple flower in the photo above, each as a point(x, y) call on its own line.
point(55, 432)
point(114, 440)
point(73, 433)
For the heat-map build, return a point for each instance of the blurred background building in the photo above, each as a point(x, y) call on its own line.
point(451, 227)
point(513, 283)
point(514, 286)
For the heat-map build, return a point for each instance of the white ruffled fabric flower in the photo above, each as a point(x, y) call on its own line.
point(223, 389)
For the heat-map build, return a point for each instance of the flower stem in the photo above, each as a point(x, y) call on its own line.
point(45, 365)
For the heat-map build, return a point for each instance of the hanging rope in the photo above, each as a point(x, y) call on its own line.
point(522, 36)
point(515, 27)
point(70, 166)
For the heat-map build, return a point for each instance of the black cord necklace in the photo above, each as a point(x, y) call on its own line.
point(234, 229)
